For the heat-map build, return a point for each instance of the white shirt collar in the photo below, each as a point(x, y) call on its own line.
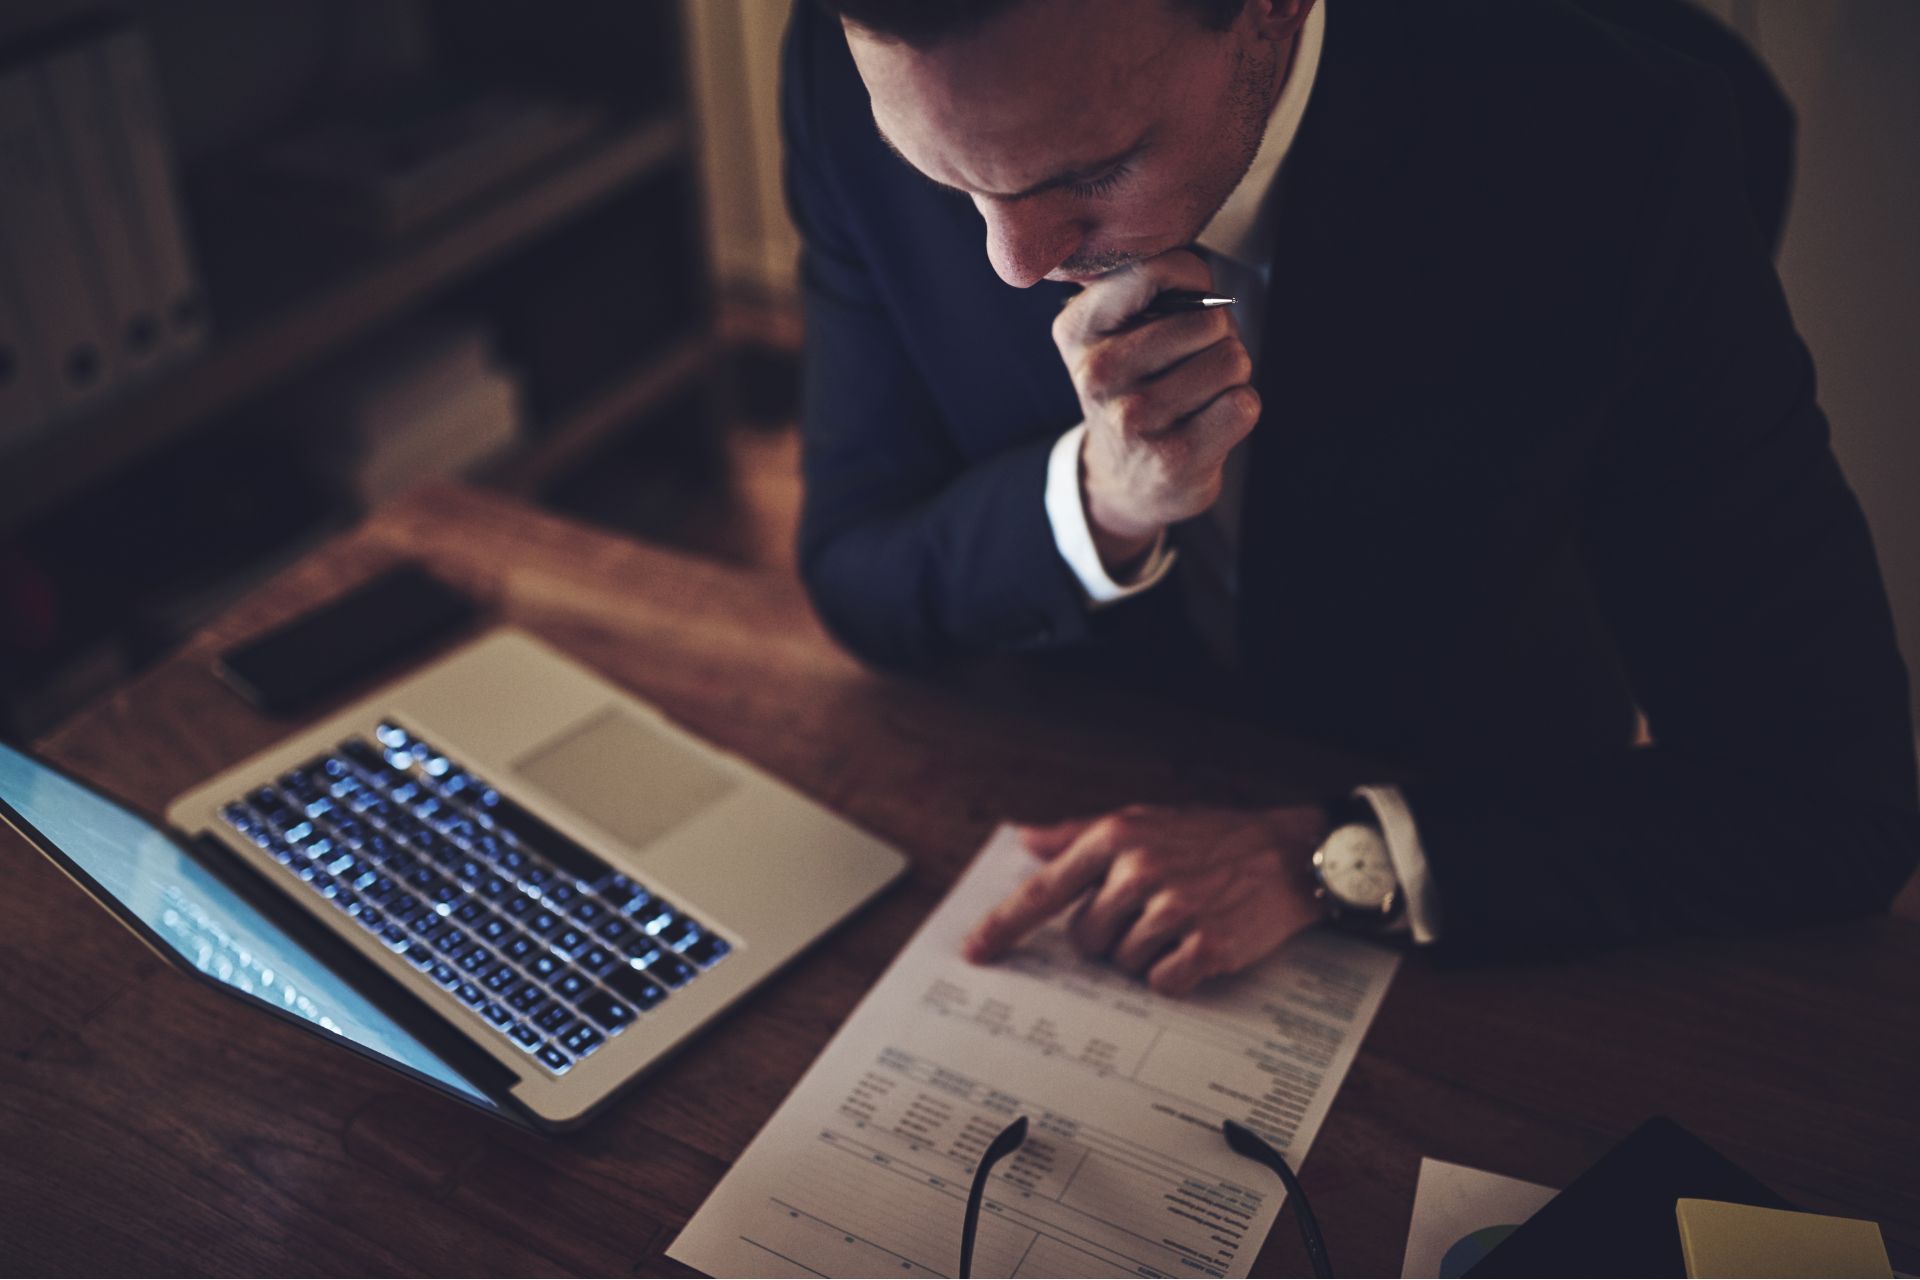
point(1240, 230)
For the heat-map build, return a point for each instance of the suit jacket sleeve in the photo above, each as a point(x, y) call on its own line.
point(910, 550)
point(1737, 573)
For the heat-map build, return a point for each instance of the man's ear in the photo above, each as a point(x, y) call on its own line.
point(1279, 19)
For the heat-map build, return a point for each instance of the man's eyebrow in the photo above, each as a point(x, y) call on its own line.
point(1069, 177)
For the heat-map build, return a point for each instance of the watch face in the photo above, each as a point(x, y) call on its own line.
point(1356, 870)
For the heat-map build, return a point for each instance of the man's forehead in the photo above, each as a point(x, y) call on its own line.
point(1049, 87)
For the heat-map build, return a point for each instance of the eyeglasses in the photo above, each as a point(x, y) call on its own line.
point(1243, 1140)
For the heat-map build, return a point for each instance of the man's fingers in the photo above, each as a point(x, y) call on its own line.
point(1109, 912)
point(1111, 301)
point(1113, 365)
point(1047, 841)
point(1185, 967)
point(1222, 423)
point(1159, 927)
point(1197, 381)
point(1043, 894)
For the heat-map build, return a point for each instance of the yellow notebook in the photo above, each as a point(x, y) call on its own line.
point(1722, 1239)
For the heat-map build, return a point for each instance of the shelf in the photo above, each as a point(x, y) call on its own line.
point(530, 469)
point(282, 304)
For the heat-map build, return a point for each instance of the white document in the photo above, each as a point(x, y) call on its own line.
point(1460, 1214)
point(864, 1170)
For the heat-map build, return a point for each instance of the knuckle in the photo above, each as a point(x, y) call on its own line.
point(1133, 411)
point(1239, 363)
point(1209, 952)
point(1244, 403)
point(1100, 366)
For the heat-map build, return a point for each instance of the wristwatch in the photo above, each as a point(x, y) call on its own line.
point(1353, 874)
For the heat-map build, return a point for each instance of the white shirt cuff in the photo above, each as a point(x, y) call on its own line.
point(1067, 513)
point(1422, 916)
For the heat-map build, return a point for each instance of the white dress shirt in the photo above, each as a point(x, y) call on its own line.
point(1237, 244)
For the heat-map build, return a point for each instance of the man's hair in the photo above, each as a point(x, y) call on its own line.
point(925, 23)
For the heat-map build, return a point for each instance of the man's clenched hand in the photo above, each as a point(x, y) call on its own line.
point(1164, 401)
point(1176, 895)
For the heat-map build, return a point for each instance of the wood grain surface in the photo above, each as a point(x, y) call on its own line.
point(150, 1126)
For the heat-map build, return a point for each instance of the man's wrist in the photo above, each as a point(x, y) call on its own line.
point(1073, 531)
point(1122, 550)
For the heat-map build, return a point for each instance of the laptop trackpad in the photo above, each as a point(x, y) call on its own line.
point(625, 777)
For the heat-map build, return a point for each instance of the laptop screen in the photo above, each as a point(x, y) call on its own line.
point(193, 912)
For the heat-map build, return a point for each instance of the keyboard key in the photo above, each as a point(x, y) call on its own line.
point(571, 984)
point(497, 1015)
point(610, 1012)
point(542, 922)
point(543, 966)
point(445, 974)
point(569, 942)
point(588, 911)
point(561, 894)
point(556, 1061)
point(543, 839)
point(657, 915)
point(471, 912)
point(520, 947)
point(525, 1036)
point(519, 906)
point(471, 994)
point(670, 969)
point(396, 937)
point(448, 937)
point(495, 929)
point(528, 994)
point(581, 1039)
point(552, 1016)
point(636, 988)
point(597, 960)
point(476, 959)
point(498, 978)
point(493, 888)
point(679, 930)
point(614, 931)
point(706, 950)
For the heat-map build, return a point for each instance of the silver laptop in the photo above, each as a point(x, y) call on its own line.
point(502, 875)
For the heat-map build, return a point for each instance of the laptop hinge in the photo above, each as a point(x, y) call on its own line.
point(381, 989)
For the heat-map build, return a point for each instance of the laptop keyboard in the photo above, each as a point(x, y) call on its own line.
point(537, 938)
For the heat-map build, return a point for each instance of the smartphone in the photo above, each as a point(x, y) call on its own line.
point(344, 641)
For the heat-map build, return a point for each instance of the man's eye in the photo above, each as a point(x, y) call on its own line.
point(1099, 186)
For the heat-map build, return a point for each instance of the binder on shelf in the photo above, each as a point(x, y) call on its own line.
point(59, 289)
point(147, 156)
point(24, 407)
point(86, 126)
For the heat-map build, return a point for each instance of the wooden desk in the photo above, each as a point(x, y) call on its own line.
point(150, 1126)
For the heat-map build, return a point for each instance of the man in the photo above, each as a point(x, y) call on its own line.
point(1508, 442)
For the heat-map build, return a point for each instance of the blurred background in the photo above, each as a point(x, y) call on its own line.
point(265, 264)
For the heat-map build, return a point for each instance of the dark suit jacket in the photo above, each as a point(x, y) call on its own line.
point(1539, 443)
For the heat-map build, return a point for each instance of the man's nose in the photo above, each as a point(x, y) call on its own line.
point(1026, 239)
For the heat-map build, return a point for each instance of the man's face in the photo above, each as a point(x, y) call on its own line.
point(1088, 133)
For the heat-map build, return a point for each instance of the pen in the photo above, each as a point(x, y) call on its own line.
point(1175, 301)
